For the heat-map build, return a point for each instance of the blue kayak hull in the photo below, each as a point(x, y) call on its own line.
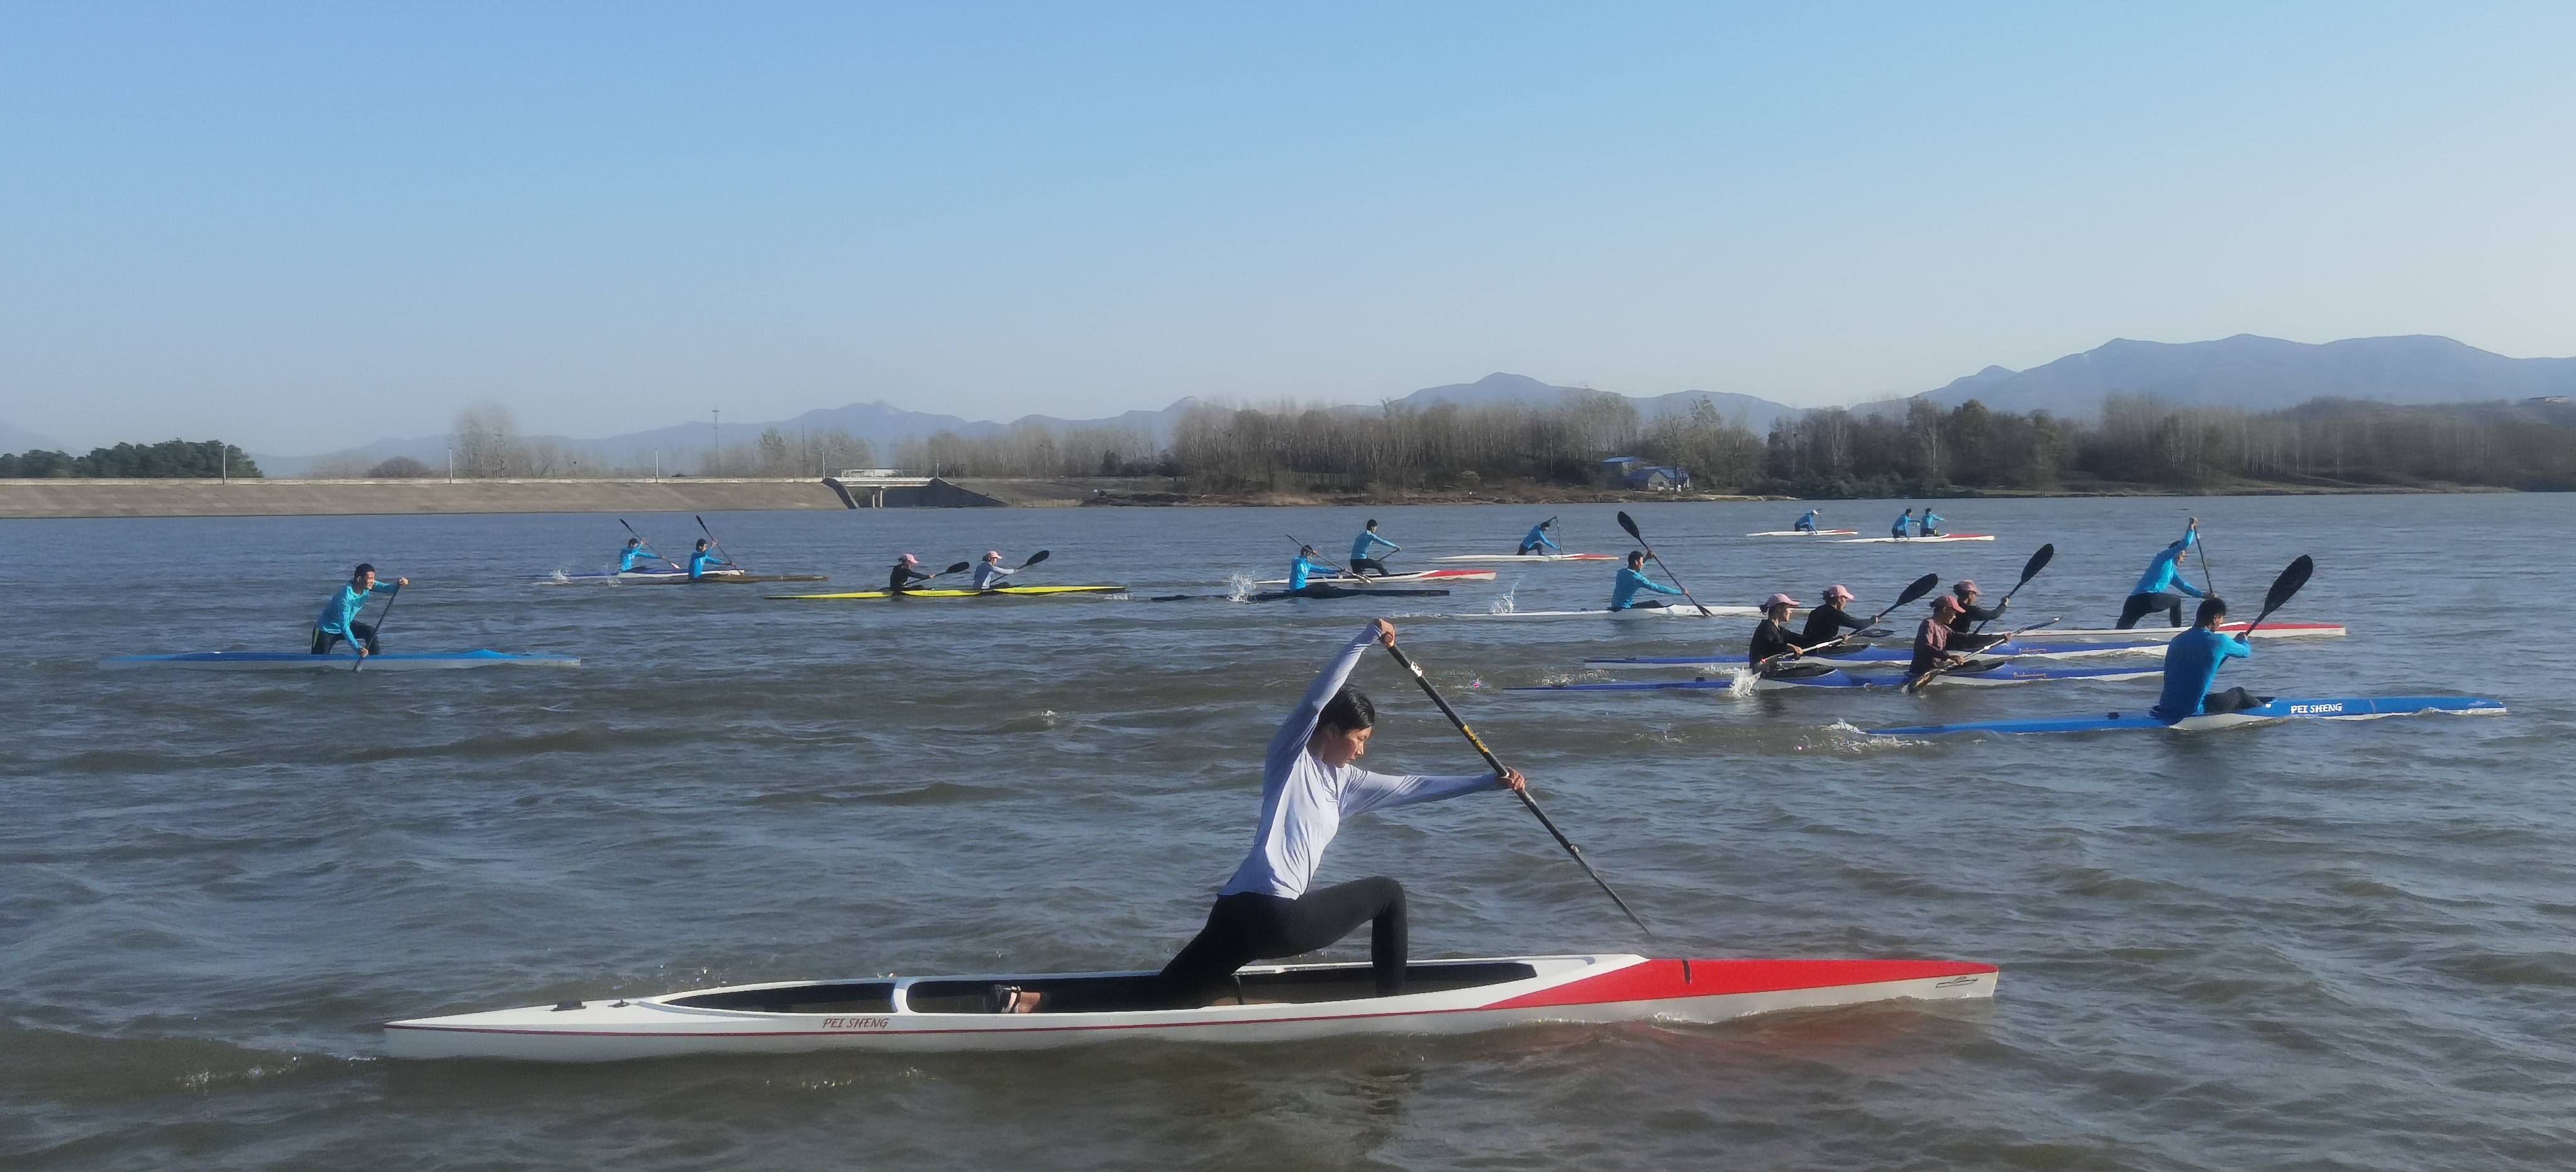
point(2001, 673)
point(338, 661)
point(2348, 708)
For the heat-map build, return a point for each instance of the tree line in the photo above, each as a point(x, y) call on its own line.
point(1919, 449)
point(169, 459)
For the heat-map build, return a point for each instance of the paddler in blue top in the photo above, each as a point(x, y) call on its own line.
point(989, 575)
point(1538, 540)
point(1806, 524)
point(1931, 526)
point(1304, 565)
point(338, 615)
point(1904, 525)
point(2156, 587)
point(2192, 661)
point(637, 551)
point(1632, 578)
point(1364, 550)
point(705, 559)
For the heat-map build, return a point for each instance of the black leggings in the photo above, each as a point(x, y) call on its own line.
point(324, 641)
point(2231, 700)
point(1367, 566)
point(1248, 926)
point(2141, 605)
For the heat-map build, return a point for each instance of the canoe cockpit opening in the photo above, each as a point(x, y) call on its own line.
point(1127, 994)
point(828, 997)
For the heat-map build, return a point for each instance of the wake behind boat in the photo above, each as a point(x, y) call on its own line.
point(1269, 1003)
point(2270, 712)
point(339, 662)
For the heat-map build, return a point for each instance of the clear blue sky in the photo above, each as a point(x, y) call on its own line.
point(307, 226)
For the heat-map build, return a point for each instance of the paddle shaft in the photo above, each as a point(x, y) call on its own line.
point(647, 545)
point(2208, 577)
point(2285, 587)
point(1918, 589)
point(2038, 561)
point(1572, 851)
point(381, 616)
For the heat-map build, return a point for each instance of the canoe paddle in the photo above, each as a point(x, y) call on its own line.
point(1630, 524)
point(1920, 587)
point(2283, 587)
point(2208, 580)
point(959, 568)
point(1337, 570)
point(711, 539)
point(1571, 850)
point(381, 616)
point(648, 546)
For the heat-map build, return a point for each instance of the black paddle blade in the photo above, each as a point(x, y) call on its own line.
point(959, 568)
point(2288, 583)
point(2038, 561)
point(1630, 524)
point(1922, 586)
point(1034, 559)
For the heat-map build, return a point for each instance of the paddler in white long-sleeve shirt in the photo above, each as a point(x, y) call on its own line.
point(1309, 784)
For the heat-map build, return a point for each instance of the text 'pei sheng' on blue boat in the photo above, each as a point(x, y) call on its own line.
point(300, 661)
point(2268, 712)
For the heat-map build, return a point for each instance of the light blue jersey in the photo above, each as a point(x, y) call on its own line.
point(1623, 592)
point(2192, 661)
point(1366, 546)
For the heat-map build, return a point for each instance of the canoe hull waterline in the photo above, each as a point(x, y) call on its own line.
point(1288, 1003)
point(1364, 580)
point(1520, 558)
point(676, 578)
point(2277, 710)
point(337, 661)
point(1002, 592)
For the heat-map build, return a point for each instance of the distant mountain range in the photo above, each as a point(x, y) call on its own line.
point(15, 439)
point(2243, 371)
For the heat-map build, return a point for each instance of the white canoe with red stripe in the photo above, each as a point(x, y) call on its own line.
point(1280, 1003)
point(1388, 579)
point(2275, 629)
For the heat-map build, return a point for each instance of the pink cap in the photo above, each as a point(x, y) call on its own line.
point(1945, 602)
point(1779, 600)
point(1838, 590)
point(992, 555)
point(910, 560)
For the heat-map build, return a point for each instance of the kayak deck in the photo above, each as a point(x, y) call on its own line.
point(1866, 656)
point(1279, 1003)
point(2269, 630)
point(1528, 557)
point(1935, 538)
point(1390, 579)
point(1682, 610)
point(1001, 592)
point(337, 661)
point(674, 578)
point(1992, 673)
point(1806, 533)
point(2347, 708)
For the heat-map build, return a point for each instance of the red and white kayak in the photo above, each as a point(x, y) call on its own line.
point(1389, 579)
point(1935, 539)
point(1806, 533)
point(2271, 630)
point(1529, 557)
point(1276, 1003)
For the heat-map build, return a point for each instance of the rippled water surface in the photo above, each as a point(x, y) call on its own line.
point(2329, 945)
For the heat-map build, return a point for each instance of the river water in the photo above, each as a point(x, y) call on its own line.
point(2325, 945)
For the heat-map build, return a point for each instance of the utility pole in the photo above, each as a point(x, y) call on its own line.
point(451, 463)
point(719, 431)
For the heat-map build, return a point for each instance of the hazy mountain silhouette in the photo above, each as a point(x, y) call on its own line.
point(2262, 374)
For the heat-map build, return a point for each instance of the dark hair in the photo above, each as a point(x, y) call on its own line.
point(1636, 557)
point(1372, 523)
point(363, 568)
point(634, 541)
point(1350, 711)
point(702, 543)
point(2211, 608)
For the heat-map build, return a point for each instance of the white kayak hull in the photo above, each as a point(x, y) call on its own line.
point(1933, 540)
point(925, 1014)
point(1414, 576)
point(1634, 613)
point(1806, 533)
point(1527, 557)
point(2270, 630)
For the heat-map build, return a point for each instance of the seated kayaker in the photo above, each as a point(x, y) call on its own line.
point(1966, 592)
point(2192, 661)
point(637, 551)
point(1932, 640)
point(339, 615)
point(2156, 587)
point(1829, 620)
point(1771, 636)
point(990, 574)
point(1305, 566)
point(1806, 524)
point(1537, 540)
point(1930, 526)
point(1309, 784)
point(1364, 549)
point(1632, 578)
point(1904, 526)
point(906, 571)
point(705, 559)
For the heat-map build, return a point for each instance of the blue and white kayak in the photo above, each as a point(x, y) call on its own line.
point(1861, 656)
point(337, 661)
point(1985, 675)
point(2351, 708)
point(671, 578)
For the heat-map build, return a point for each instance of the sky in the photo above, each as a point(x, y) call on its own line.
point(301, 227)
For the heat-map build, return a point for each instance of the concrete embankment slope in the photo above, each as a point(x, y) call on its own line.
point(282, 498)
